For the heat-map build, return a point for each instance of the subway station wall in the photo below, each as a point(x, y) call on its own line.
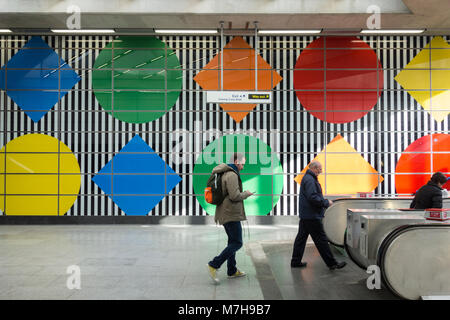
point(103, 125)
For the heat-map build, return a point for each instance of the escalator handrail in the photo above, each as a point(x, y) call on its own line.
point(372, 198)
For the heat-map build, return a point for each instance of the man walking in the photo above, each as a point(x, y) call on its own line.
point(312, 207)
point(230, 213)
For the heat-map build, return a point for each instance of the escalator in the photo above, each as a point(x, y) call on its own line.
point(413, 253)
point(414, 260)
point(335, 219)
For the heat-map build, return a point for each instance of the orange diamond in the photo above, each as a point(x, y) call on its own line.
point(347, 172)
point(238, 74)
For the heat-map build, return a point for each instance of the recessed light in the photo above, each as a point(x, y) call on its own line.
point(288, 31)
point(392, 31)
point(82, 30)
point(186, 31)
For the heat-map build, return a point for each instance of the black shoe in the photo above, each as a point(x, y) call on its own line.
point(298, 265)
point(338, 265)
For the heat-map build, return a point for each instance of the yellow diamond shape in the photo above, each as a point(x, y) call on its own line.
point(347, 172)
point(417, 80)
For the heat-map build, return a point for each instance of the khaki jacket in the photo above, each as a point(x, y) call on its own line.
point(232, 207)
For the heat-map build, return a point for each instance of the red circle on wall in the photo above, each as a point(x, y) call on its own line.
point(420, 160)
point(338, 79)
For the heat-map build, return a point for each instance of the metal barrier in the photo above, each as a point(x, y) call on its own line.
point(335, 220)
point(366, 229)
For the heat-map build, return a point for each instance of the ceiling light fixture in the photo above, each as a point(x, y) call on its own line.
point(392, 31)
point(5, 31)
point(187, 31)
point(289, 31)
point(82, 30)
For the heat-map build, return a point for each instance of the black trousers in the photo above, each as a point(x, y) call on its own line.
point(313, 227)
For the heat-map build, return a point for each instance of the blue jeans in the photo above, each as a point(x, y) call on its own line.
point(234, 232)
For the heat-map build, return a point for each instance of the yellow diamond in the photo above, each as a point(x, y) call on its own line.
point(421, 75)
point(345, 171)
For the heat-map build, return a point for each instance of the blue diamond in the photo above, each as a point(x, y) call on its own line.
point(136, 179)
point(35, 78)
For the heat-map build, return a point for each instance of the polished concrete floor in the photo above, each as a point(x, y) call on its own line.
point(166, 262)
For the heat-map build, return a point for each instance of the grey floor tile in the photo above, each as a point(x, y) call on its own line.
point(197, 292)
point(164, 293)
point(15, 281)
point(151, 281)
point(39, 293)
point(108, 294)
point(22, 269)
point(108, 261)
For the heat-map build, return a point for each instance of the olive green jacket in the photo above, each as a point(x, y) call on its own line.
point(232, 207)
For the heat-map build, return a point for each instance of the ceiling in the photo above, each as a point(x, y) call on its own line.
point(134, 16)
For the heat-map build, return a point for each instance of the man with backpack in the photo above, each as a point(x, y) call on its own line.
point(229, 213)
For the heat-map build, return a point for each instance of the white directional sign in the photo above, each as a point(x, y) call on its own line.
point(238, 96)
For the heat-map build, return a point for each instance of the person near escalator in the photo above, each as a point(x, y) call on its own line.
point(430, 195)
point(312, 206)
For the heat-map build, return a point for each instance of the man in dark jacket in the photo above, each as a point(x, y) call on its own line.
point(430, 195)
point(312, 206)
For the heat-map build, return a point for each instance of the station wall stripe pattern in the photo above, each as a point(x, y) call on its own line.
point(295, 135)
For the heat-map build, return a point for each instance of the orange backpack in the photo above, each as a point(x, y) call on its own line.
point(213, 190)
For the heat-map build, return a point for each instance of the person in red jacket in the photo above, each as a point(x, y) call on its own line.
point(430, 195)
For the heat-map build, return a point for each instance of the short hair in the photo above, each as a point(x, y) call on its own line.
point(439, 177)
point(314, 164)
point(237, 156)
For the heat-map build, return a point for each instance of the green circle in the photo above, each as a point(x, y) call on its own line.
point(137, 79)
point(262, 173)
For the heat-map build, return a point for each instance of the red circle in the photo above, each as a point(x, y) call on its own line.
point(420, 160)
point(353, 74)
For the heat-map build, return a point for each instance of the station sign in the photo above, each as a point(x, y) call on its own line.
point(239, 97)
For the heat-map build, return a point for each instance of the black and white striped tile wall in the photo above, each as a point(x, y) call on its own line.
point(94, 136)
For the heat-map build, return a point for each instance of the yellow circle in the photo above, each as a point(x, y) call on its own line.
point(41, 176)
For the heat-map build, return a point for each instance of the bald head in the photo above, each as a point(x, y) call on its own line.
point(316, 167)
point(314, 164)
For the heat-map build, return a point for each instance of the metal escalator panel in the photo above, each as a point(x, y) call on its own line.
point(366, 228)
point(354, 255)
point(335, 220)
point(415, 260)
